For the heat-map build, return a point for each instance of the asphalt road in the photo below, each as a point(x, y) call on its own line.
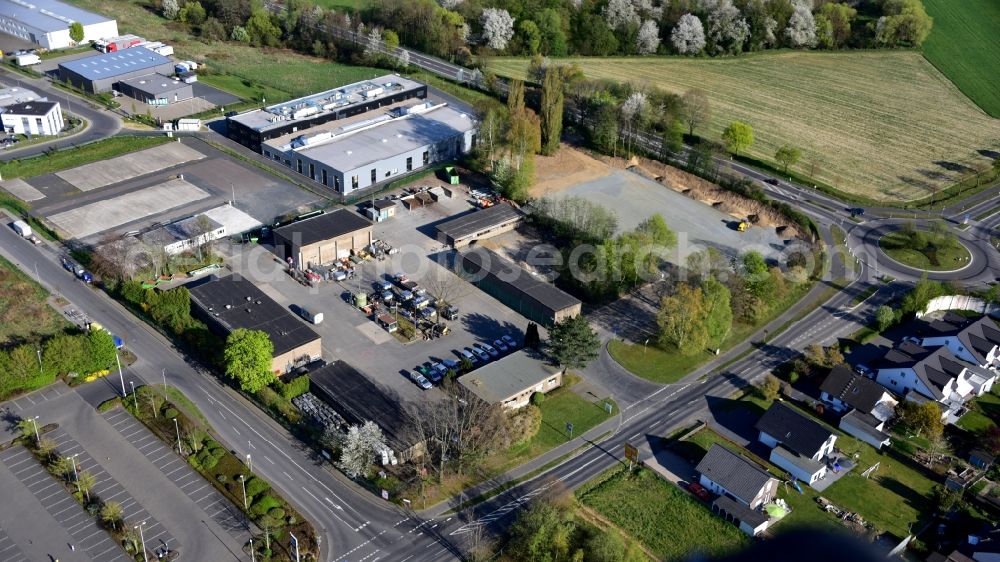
point(100, 122)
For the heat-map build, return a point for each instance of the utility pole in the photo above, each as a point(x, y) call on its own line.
point(120, 375)
point(178, 430)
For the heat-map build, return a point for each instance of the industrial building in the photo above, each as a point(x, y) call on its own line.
point(46, 22)
point(33, 118)
point(533, 298)
point(155, 89)
point(102, 71)
point(376, 147)
point(252, 128)
point(323, 239)
point(359, 399)
point(512, 380)
point(185, 234)
point(228, 303)
point(10, 96)
point(480, 225)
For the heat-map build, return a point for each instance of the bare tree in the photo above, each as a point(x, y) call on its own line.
point(115, 257)
point(696, 109)
point(445, 287)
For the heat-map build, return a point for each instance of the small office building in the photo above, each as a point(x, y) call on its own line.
point(359, 399)
point(185, 234)
point(535, 299)
point(229, 303)
point(155, 89)
point(33, 118)
point(46, 22)
point(324, 239)
point(102, 71)
point(480, 225)
point(511, 380)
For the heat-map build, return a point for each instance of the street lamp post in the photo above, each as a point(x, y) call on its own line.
point(142, 539)
point(296, 541)
point(253, 558)
point(178, 430)
point(243, 481)
point(249, 463)
point(163, 372)
point(120, 375)
point(39, 350)
point(76, 475)
point(135, 398)
point(38, 439)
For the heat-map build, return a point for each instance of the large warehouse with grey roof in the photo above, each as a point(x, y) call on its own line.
point(46, 22)
point(100, 72)
point(360, 135)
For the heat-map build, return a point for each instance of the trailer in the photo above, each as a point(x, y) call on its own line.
point(21, 228)
point(120, 43)
point(27, 59)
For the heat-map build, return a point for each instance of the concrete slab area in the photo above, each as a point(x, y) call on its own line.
point(109, 213)
point(235, 220)
point(22, 190)
point(128, 166)
point(635, 198)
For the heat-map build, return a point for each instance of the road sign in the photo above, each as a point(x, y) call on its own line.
point(385, 494)
point(631, 453)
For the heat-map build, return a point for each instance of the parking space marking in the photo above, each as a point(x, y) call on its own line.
point(178, 471)
point(9, 551)
point(62, 507)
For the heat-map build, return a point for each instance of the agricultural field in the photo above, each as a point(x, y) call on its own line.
point(24, 312)
point(881, 125)
point(965, 46)
point(668, 521)
point(279, 72)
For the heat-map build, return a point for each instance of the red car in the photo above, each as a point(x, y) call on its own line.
point(699, 491)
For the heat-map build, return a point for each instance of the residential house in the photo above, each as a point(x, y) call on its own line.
point(865, 427)
point(972, 341)
point(844, 390)
point(981, 459)
point(798, 444)
point(921, 374)
point(745, 484)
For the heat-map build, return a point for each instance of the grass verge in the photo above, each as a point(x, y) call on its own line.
point(24, 311)
point(55, 161)
point(943, 254)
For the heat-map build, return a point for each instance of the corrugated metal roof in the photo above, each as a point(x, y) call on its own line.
point(477, 221)
point(109, 65)
point(508, 376)
point(48, 15)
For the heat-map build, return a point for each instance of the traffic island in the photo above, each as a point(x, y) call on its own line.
point(934, 249)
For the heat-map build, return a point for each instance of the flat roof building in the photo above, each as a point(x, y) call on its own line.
point(358, 399)
point(511, 380)
point(323, 239)
point(533, 298)
point(480, 225)
point(376, 147)
point(185, 234)
point(252, 128)
point(101, 71)
point(33, 118)
point(46, 22)
point(10, 96)
point(230, 303)
point(155, 89)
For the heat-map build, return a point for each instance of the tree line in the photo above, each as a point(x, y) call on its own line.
point(33, 365)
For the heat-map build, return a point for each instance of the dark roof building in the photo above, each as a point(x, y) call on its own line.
point(739, 476)
point(980, 337)
point(533, 298)
point(865, 427)
point(511, 380)
point(748, 520)
point(230, 303)
point(155, 89)
point(793, 429)
point(934, 369)
point(100, 72)
point(851, 389)
point(359, 399)
point(479, 225)
point(323, 239)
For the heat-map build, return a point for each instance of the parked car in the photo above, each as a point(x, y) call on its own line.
point(501, 345)
point(450, 364)
point(420, 380)
point(510, 341)
point(699, 491)
point(488, 349)
point(481, 353)
point(440, 369)
point(467, 354)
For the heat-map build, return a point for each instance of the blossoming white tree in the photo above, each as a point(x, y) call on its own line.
point(498, 28)
point(688, 36)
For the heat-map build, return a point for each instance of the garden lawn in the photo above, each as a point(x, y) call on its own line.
point(24, 312)
point(884, 125)
point(73, 157)
point(965, 46)
point(561, 406)
point(667, 520)
point(984, 412)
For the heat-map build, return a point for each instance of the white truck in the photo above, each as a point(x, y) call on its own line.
point(27, 59)
point(24, 231)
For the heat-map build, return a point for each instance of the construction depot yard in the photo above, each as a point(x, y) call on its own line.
point(701, 214)
point(883, 125)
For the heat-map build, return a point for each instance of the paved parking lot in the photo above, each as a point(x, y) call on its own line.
point(9, 551)
point(82, 528)
point(178, 471)
point(349, 335)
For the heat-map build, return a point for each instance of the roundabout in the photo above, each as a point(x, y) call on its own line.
point(893, 247)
